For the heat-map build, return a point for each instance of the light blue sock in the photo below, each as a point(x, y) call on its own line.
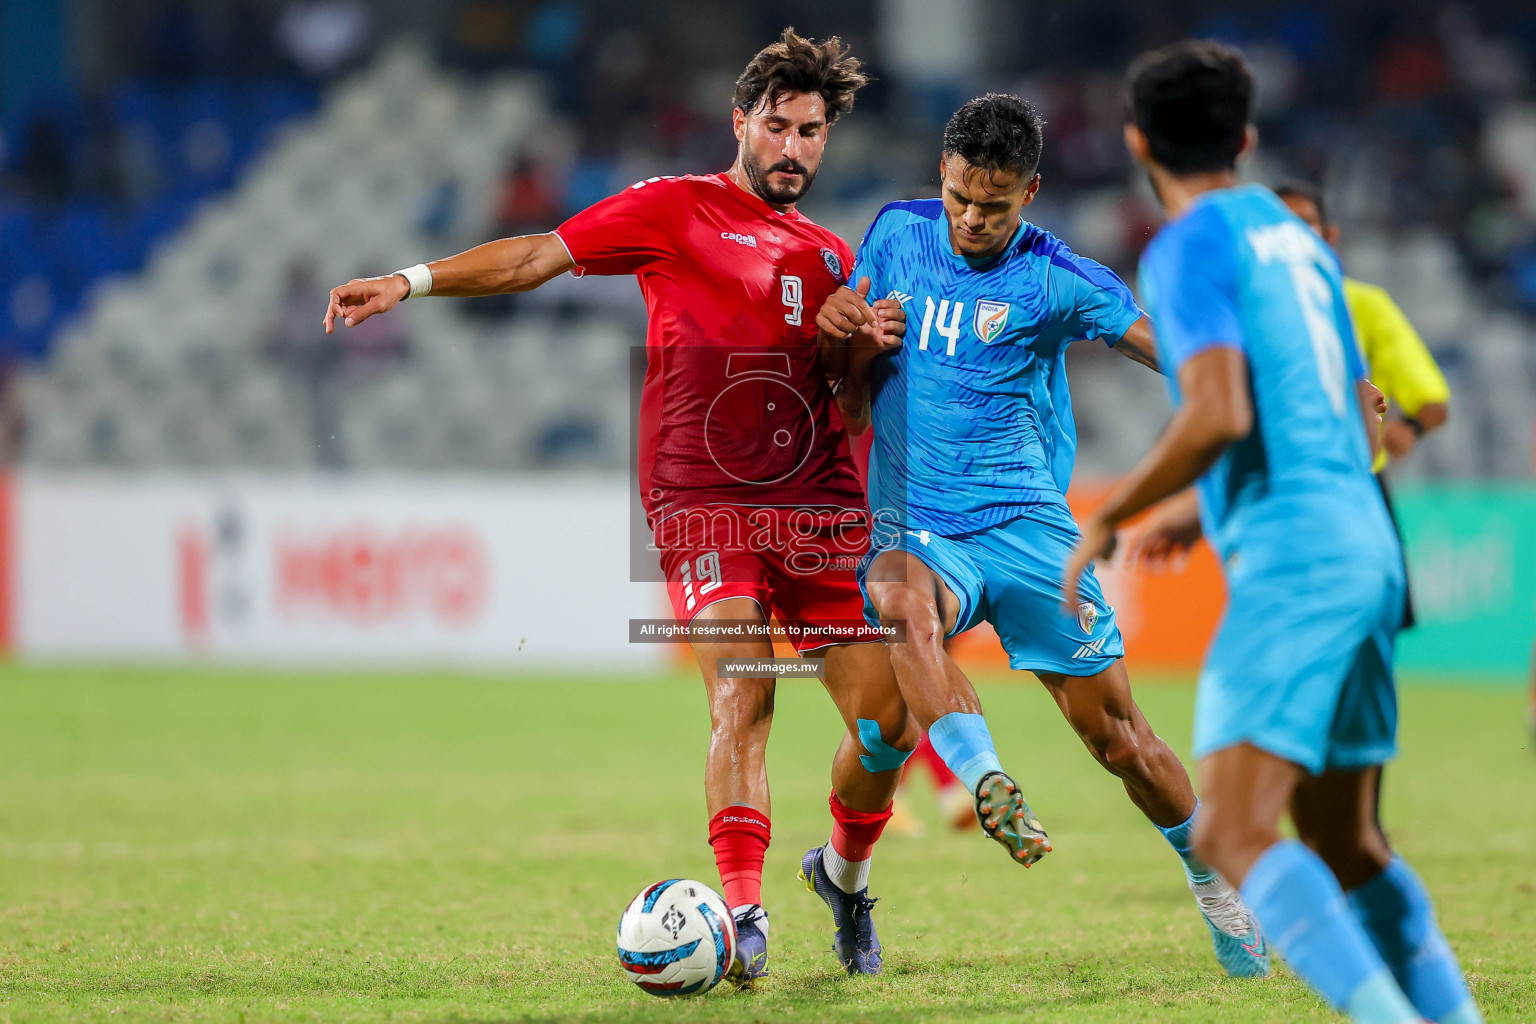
point(1182, 838)
point(965, 744)
point(1378, 1000)
point(1301, 908)
point(1466, 1013)
point(1400, 919)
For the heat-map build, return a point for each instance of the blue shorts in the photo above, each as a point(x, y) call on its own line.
point(1010, 575)
point(1301, 665)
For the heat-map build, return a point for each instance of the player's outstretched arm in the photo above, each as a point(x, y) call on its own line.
point(1216, 412)
point(505, 265)
point(1138, 343)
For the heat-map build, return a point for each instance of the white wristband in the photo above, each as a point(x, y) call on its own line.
point(419, 278)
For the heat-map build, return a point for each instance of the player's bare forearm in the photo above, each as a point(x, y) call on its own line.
point(517, 264)
point(1216, 412)
point(1432, 416)
point(832, 349)
point(853, 400)
point(1138, 343)
point(851, 333)
point(506, 265)
point(1400, 435)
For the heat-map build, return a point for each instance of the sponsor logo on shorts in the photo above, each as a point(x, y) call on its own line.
point(1092, 649)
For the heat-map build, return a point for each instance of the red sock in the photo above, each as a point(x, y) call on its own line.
point(931, 760)
point(854, 832)
point(740, 836)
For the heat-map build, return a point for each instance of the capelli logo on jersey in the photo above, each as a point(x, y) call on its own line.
point(731, 236)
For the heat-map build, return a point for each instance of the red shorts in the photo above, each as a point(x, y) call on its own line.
point(799, 565)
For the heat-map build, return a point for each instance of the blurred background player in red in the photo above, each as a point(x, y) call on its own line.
point(745, 471)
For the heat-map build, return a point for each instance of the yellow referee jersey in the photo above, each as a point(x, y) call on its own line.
point(1395, 356)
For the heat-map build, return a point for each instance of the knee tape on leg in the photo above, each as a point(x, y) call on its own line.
point(880, 756)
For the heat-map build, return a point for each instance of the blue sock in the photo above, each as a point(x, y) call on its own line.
point(1400, 919)
point(1182, 838)
point(1466, 1013)
point(965, 744)
point(1301, 908)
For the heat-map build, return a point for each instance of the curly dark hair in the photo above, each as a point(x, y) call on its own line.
point(996, 132)
point(795, 64)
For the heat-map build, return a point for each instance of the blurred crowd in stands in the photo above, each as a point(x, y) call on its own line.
point(1413, 116)
point(1402, 93)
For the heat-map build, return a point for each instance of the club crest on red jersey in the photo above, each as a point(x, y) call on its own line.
point(991, 317)
point(834, 265)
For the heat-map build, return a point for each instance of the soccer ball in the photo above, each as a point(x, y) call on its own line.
point(676, 938)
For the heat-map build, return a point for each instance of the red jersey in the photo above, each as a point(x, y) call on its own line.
point(735, 408)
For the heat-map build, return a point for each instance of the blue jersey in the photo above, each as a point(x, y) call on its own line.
point(1238, 269)
point(972, 416)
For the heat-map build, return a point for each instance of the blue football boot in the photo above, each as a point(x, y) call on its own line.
point(854, 942)
point(1240, 946)
point(751, 946)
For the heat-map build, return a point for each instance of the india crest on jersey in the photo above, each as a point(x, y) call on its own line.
point(991, 317)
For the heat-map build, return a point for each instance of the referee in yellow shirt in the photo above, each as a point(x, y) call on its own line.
point(1395, 356)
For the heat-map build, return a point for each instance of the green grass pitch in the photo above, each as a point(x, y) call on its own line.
point(241, 846)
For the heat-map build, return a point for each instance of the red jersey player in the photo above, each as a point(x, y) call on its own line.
point(745, 472)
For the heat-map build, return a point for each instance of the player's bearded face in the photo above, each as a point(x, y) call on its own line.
point(781, 146)
point(983, 207)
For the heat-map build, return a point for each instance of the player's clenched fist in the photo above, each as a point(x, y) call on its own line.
point(855, 330)
point(359, 299)
point(847, 310)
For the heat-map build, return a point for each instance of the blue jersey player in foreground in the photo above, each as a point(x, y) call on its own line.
point(973, 449)
point(1296, 707)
